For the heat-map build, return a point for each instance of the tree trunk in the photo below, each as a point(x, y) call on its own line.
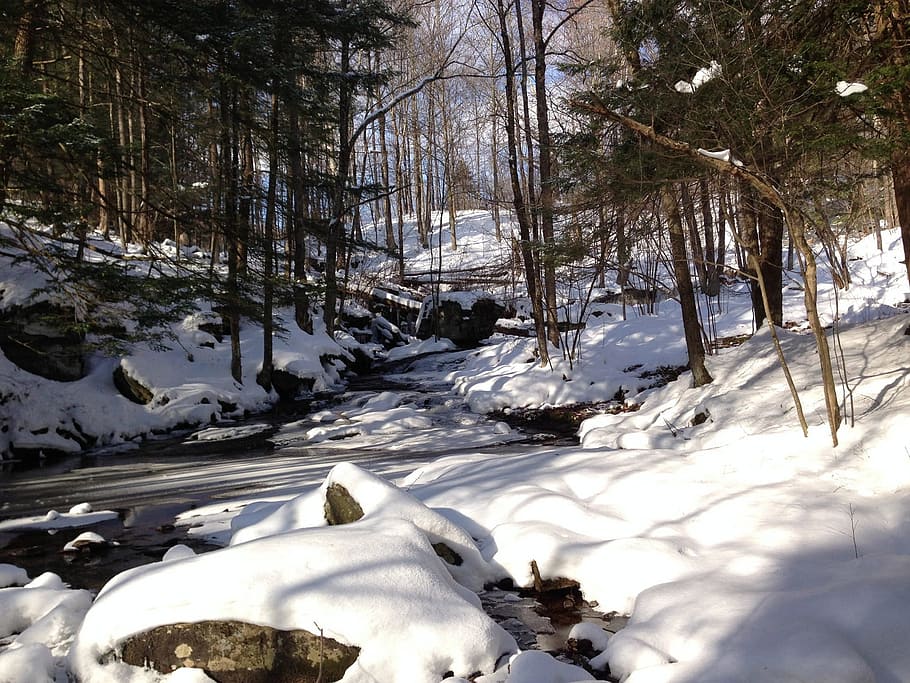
point(546, 174)
point(297, 223)
point(229, 180)
point(339, 209)
point(264, 377)
point(390, 242)
point(691, 327)
point(712, 269)
point(900, 173)
point(521, 210)
point(771, 242)
point(698, 252)
point(29, 23)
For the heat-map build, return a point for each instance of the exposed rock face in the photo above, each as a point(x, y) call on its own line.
point(237, 652)
point(466, 320)
point(31, 338)
point(132, 388)
point(288, 385)
point(340, 506)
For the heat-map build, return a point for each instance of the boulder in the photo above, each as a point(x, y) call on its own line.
point(288, 386)
point(340, 506)
point(131, 387)
point(238, 652)
point(35, 339)
point(464, 317)
point(386, 333)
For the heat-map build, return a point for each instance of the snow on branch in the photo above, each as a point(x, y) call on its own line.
point(702, 76)
point(845, 89)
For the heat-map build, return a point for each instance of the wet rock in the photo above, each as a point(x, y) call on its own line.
point(131, 387)
point(238, 652)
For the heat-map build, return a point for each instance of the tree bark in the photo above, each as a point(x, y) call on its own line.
point(264, 377)
point(691, 326)
point(546, 198)
point(297, 223)
point(522, 214)
point(900, 173)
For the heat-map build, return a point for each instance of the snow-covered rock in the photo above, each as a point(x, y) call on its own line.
point(376, 584)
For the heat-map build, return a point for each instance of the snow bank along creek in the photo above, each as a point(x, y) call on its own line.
point(266, 457)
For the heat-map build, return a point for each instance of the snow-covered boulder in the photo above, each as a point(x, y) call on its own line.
point(350, 493)
point(377, 585)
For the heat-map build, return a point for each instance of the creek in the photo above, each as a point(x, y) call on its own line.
point(153, 482)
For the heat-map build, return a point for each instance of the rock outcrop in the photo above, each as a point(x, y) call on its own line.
point(34, 338)
point(464, 317)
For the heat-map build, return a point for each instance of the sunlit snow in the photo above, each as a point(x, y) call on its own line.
point(742, 550)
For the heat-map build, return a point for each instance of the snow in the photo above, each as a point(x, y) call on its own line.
point(536, 667)
point(86, 538)
point(76, 517)
point(379, 500)
point(38, 622)
point(845, 89)
point(702, 76)
point(742, 550)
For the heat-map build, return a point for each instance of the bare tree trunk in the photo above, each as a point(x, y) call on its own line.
point(339, 209)
point(698, 252)
point(399, 198)
point(494, 153)
point(420, 200)
point(691, 327)
point(547, 200)
point(522, 214)
point(229, 181)
point(297, 227)
point(900, 174)
point(29, 22)
point(264, 377)
point(384, 170)
point(124, 215)
point(712, 269)
point(145, 163)
point(448, 154)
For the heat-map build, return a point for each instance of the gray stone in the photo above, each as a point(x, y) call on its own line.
point(465, 327)
point(238, 652)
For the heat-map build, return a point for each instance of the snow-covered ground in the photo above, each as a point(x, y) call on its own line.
point(743, 550)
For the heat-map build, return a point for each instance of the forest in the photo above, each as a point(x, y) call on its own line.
point(272, 132)
point(676, 454)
